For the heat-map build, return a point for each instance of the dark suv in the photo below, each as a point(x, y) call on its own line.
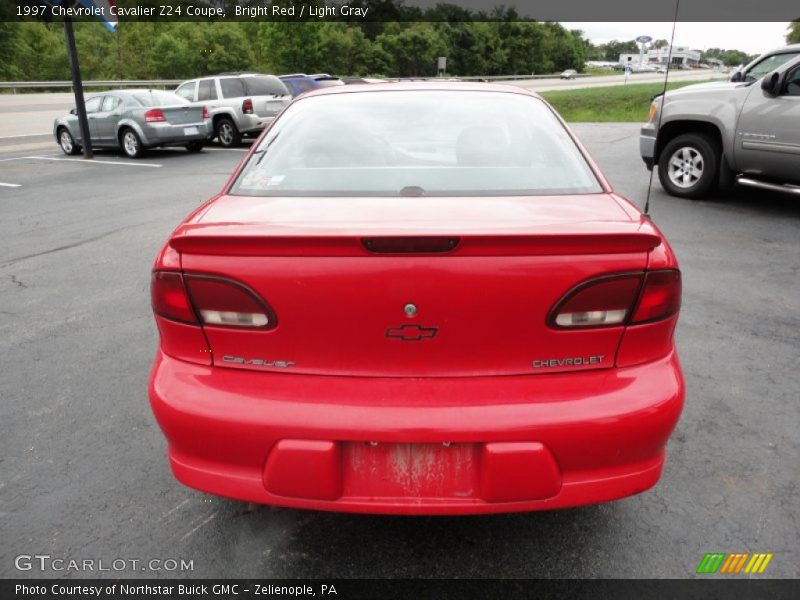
point(300, 82)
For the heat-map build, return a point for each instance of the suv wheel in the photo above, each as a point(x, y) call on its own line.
point(688, 166)
point(227, 133)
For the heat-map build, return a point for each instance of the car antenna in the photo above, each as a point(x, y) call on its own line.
point(661, 112)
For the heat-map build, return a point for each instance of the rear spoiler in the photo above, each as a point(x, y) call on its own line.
point(246, 240)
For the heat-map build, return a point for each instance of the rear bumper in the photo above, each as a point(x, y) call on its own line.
point(424, 446)
point(647, 144)
point(254, 123)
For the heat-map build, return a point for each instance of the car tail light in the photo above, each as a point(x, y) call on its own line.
point(660, 296)
point(247, 106)
point(598, 303)
point(224, 303)
point(154, 115)
point(205, 112)
point(169, 298)
point(628, 299)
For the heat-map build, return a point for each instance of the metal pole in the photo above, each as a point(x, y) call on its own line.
point(77, 87)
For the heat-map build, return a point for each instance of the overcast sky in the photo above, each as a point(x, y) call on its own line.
point(753, 38)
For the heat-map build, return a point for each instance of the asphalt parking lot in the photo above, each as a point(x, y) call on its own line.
point(83, 469)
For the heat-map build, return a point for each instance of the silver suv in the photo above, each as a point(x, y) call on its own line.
point(239, 104)
point(746, 131)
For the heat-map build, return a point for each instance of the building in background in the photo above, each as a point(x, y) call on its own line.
point(681, 56)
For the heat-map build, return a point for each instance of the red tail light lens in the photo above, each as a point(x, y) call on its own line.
point(154, 115)
point(169, 298)
point(205, 112)
point(600, 302)
point(224, 303)
point(247, 106)
point(629, 298)
point(660, 297)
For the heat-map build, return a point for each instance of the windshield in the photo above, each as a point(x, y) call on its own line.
point(156, 98)
point(414, 143)
point(768, 65)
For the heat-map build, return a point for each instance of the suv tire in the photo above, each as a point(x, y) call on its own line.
point(688, 166)
point(227, 133)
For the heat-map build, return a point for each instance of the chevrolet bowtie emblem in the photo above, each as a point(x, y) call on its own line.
point(411, 333)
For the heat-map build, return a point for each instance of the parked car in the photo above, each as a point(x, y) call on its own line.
point(712, 135)
point(568, 74)
point(441, 308)
point(299, 83)
point(361, 80)
point(135, 120)
point(240, 104)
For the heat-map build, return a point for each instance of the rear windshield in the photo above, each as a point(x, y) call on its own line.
point(265, 86)
point(157, 98)
point(415, 143)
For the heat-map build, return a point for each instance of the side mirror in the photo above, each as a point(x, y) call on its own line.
point(770, 83)
point(74, 111)
point(737, 76)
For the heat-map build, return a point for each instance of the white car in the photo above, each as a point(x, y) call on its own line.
point(569, 74)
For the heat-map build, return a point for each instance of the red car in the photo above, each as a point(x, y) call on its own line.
point(417, 298)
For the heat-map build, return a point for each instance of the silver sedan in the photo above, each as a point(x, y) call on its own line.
point(135, 120)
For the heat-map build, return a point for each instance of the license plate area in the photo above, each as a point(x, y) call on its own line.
point(190, 131)
point(402, 470)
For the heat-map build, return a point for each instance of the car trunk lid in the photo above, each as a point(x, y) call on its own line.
point(182, 115)
point(414, 287)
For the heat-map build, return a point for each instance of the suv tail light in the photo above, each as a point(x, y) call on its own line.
point(207, 300)
point(154, 115)
point(627, 299)
point(247, 106)
point(205, 112)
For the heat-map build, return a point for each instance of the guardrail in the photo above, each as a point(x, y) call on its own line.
point(144, 83)
point(171, 83)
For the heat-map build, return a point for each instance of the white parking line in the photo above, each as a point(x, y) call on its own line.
point(9, 184)
point(94, 161)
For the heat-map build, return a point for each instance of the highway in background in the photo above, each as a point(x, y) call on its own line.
point(26, 120)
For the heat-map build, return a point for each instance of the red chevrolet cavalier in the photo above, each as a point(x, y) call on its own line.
point(417, 298)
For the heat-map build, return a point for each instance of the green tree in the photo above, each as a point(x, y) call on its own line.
point(614, 48)
point(342, 49)
point(793, 35)
point(414, 49)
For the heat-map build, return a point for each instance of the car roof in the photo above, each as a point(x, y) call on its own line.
point(422, 85)
point(127, 92)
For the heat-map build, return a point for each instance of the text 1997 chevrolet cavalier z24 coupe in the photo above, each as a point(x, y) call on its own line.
point(417, 298)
